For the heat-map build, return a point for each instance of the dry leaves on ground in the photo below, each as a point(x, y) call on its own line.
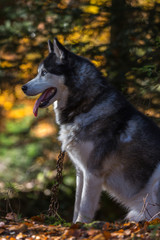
point(36, 228)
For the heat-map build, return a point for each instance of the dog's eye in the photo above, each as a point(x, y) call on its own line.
point(43, 73)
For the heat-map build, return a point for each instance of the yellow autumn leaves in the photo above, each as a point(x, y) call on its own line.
point(7, 104)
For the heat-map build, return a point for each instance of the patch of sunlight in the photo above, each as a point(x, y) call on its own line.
point(60, 38)
point(98, 22)
point(147, 4)
point(130, 76)
point(98, 61)
point(131, 90)
point(103, 48)
point(69, 180)
point(104, 37)
point(6, 100)
point(63, 4)
point(33, 56)
point(6, 64)
point(26, 69)
point(94, 37)
point(26, 66)
point(158, 88)
point(88, 35)
point(8, 56)
point(90, 9)
point(99, 2)
point(41, 26)
point(75, 35)
point(24, 40)
point(30, 185)
point(47, 192)
point(43, 129)
point(152, 113)
point(40, 177)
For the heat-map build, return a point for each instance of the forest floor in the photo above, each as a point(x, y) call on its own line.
point(38, 227)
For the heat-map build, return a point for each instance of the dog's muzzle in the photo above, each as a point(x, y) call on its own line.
point(24, 88)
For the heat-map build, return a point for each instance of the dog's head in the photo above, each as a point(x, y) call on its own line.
point(66, 77)
point(50, 78)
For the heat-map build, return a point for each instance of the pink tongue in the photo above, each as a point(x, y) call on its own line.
point(39, 100)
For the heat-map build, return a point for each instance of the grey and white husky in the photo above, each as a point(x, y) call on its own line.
point(113, 146)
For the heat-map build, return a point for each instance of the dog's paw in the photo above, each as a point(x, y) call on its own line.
point(83, 219)
point(135, 216)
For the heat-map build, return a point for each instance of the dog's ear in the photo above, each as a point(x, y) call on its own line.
point(59, 50)
point(50, 46)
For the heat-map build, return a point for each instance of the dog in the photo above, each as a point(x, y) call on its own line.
point(112, 145)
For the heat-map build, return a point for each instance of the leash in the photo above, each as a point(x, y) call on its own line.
point(54, 204)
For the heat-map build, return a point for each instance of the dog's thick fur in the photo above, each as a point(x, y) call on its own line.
point(112, 145)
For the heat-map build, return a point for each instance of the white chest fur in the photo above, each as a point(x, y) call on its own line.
point(79, 151)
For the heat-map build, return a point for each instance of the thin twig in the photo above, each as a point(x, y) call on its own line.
point(154, 216)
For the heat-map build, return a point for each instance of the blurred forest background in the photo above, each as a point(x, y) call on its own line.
point(121, 37)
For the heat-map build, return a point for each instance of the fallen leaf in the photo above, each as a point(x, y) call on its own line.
point(40, 218)
point(12, 228)
point(92, 232)
point(21, 236)
point(127, 224)
point(127, 232)
point(75, 226)
point(22, 228)
point(99, 236)
point(18, 228)
point(2, 230)
point(107, 234)
point(28, 224)
point(71, 232)
point(106, 226)
point(118, 233)
point(154, 221)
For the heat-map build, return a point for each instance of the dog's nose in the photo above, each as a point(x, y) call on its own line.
point(24, 88)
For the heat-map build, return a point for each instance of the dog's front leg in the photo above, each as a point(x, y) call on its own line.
point(79, 186)
point(92, 186)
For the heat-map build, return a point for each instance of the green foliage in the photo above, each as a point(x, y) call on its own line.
point(8, 141)
point(94, 224)
point(18, 126)
point(147, 69)
point(56, 221)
